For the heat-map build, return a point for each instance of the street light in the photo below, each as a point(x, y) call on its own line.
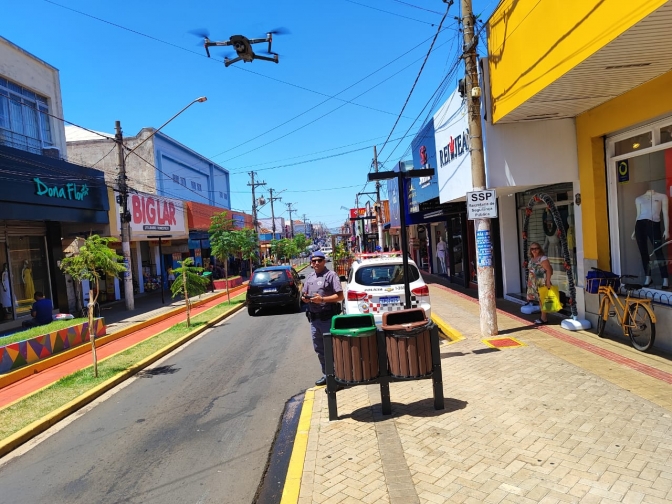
point(199, 100)
point(123, 194)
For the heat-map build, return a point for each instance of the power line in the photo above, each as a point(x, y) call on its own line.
point(417, 77)
point(392, 13)
point(239, 68)
point(418, 7)
point(394, 60)
point(332, 111)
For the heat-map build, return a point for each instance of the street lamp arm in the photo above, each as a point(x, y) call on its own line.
point(200, 100)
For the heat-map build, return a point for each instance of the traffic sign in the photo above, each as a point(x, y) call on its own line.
point(482, 204)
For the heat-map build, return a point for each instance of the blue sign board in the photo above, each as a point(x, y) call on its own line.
point(484, 248)
point(424, 156)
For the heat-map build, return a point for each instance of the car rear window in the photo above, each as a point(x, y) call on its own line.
point(385, 274)
point(265, 277)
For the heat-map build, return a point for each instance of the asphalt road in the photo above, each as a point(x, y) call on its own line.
point(195, 429)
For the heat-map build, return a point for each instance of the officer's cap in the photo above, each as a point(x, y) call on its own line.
point(318, 253)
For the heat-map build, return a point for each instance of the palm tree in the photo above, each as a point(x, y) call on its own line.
point(188, 282)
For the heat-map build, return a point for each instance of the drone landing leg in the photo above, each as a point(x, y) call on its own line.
point(228, 62)
point(266, 58)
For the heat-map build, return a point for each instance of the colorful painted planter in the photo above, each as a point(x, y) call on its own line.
point(233, 282)
point(21, 353)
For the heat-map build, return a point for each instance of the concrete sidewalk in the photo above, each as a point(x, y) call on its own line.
point(562, 417)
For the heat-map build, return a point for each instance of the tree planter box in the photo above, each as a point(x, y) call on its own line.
point(232, 282)
point(21, 353)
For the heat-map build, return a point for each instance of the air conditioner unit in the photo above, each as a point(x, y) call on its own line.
point(52, 152)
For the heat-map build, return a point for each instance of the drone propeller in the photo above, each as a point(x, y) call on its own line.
point(201, 32)
point(279, 31)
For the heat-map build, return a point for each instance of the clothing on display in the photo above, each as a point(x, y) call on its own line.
point(28, 284)
point(5, 292)
point(441, 255)
point(650, 206)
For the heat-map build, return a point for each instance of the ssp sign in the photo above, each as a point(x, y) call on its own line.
point(482, 204)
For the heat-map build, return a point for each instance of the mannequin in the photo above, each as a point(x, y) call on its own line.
point(27, 279)
point(552, 240)
point(650, 206)
point(5, 294)
point(441, 255)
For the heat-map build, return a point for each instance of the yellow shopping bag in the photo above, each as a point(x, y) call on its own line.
point(549, 299)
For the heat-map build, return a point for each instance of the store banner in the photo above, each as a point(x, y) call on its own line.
point(152, 214)
point(451, 125)
point(424, 156)
point(357, 212)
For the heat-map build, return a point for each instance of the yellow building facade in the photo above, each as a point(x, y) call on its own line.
point(608, 65)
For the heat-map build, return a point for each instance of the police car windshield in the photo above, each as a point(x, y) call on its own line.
point(385, 274)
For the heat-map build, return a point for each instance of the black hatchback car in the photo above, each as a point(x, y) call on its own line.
point(274, 286)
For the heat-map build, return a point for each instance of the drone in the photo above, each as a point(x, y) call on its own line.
point(243, 46)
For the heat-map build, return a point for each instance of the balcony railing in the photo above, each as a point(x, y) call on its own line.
point(19, 141)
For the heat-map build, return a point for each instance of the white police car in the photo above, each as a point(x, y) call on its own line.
point(375, 285)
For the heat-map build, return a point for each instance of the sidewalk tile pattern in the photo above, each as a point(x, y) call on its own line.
point(551, 422)
point(18, 354)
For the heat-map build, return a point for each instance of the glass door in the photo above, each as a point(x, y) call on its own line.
point(29, 271)
point(455, 248)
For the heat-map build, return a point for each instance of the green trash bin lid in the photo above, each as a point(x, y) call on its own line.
point(358, 325)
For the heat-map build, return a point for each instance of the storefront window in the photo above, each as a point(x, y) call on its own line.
point(644, 217)
point(542, 229)
point(633, 144)
point(456, 247)
point(666, 134)
point(29, 271)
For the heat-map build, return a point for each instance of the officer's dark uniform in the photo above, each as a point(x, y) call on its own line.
point(319, 315)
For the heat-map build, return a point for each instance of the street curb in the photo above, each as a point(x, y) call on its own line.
point(292, 487)
point(447, 330)
point(39, 426)
point(26, 371)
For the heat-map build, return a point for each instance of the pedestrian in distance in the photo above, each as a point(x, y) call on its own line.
point(323, 292)
point(539, 275)
point(41, 312)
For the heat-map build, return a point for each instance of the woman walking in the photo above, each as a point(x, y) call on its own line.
point(539, 275)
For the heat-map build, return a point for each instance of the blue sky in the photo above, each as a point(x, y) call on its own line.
point(110, 73)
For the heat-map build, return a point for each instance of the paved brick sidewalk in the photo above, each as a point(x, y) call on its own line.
point(567, 417)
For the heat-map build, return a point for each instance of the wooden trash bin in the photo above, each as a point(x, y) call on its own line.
point(409, 349)
point(355, 348)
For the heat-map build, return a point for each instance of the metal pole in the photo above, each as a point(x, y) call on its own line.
point(482, 227)
point(272, 215)
point(404, 238)
point(125, 219)
point(163, 277)
point(379, 220)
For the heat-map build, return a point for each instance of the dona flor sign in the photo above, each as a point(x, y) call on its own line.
point(451, 126)
point(151, 214)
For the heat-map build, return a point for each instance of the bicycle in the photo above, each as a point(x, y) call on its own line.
point(635, 316)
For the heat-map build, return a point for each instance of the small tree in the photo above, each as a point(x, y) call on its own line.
point(188, 282)
point(93, 259)
point(301, 242)
point(223, 242)
point(248, 245)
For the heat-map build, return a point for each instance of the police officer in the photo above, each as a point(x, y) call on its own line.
point(323, 292)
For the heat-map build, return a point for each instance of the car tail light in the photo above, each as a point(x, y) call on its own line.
point(356, 296)
point(421, 291)
point(289, 277)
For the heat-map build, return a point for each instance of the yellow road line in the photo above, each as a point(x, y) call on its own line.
point(290, 492)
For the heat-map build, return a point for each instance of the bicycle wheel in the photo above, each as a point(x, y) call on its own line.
point(641, 329)
point(602, 315)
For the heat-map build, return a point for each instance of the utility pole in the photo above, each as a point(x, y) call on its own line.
point(272, 199)
point(379, 221)
point(291, 221)
point(305, 229)
point(482, 227)
point(254, 185)
point(124, 218)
